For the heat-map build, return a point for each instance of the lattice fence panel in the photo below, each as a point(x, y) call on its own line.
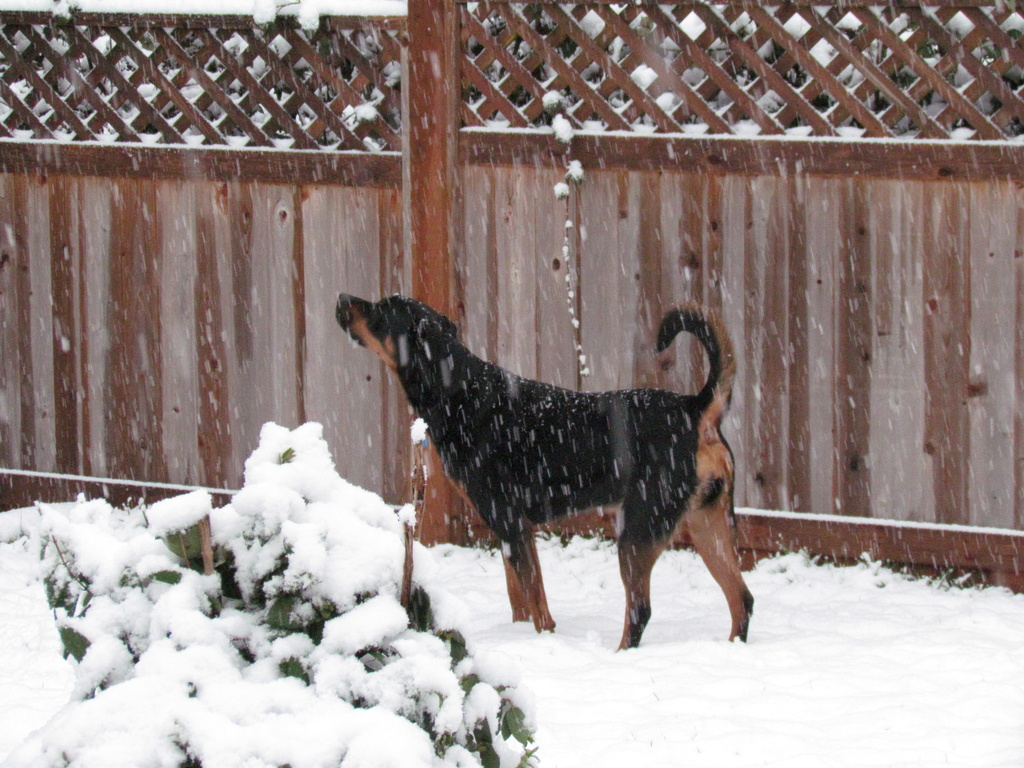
point(241, 85)
point(745, 69)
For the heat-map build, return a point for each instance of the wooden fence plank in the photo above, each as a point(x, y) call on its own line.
point(853, 356)
point(477, 259)
point(796, 353)
point(947, 347)
point(635, 336)
point(63, 282)
point(1018, 430)
point(11, 328)
point(212, 310)
point(395, 277)
point(363, 441)
point(297, 260)
point(177, 254)
point(734, 218)
point(900, 489)
point(602, 305)
point(556, 336)
point(823, 203)
point(650, 278)
point(478, 262)
point(516, 272)
point(95, 247)
point(766, 341)
point(991, 397)
point(275, 219)
point(33, 232)
point(607, 264)
point(344, 384)
point(262, 361)
point(20, 227)
point(134, 431)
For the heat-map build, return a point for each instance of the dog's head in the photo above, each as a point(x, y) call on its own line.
point(399, 330)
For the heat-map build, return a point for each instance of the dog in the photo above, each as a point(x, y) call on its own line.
point(526, 453)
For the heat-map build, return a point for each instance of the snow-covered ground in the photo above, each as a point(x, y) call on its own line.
point(845, 666)
point(34, 680)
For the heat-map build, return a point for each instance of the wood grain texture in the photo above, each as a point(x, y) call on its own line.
point(877, 322)
point(991, 396)
point(905, 160)
point(214, 435)
point(947, 346)
point(852, 474)
point(344, 384)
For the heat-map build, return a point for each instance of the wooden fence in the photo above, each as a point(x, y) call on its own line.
point(183, 197)
point(183, 194)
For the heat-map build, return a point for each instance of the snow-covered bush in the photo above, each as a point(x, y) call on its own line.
point(295, 652)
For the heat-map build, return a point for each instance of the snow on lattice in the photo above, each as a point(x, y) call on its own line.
point(889, 71)
point(248, 83)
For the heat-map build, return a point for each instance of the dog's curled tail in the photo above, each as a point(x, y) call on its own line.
point(707, 326)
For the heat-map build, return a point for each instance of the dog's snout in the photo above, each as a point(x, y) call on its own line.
point(349, 309)
point(341, 312)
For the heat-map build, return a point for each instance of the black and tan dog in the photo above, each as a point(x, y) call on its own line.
point(526, 453)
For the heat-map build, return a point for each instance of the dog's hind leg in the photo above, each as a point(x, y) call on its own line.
point(635, 564)
point(714, 537)
point(521, 558)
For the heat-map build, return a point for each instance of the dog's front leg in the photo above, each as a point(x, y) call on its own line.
point(516, 597)
point(525, 583)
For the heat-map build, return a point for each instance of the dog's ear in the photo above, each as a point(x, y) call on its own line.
point(434, 324)
point(448, 327)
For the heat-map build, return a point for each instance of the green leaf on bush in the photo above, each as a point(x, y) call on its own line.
point(421, 615)
point(167, 577)
point(468, 682)
point(186, 544)
point(280, 615)
point(374, 659)
point(456, 644)
point(293, 668)
point(58, 594)
point(485, 747)
point(74, 642)
point(513, 723)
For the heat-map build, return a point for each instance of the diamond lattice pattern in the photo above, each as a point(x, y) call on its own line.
point(335, 89)
point(857, 71)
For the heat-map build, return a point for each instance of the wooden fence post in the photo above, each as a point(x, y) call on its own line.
point(430, 195)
